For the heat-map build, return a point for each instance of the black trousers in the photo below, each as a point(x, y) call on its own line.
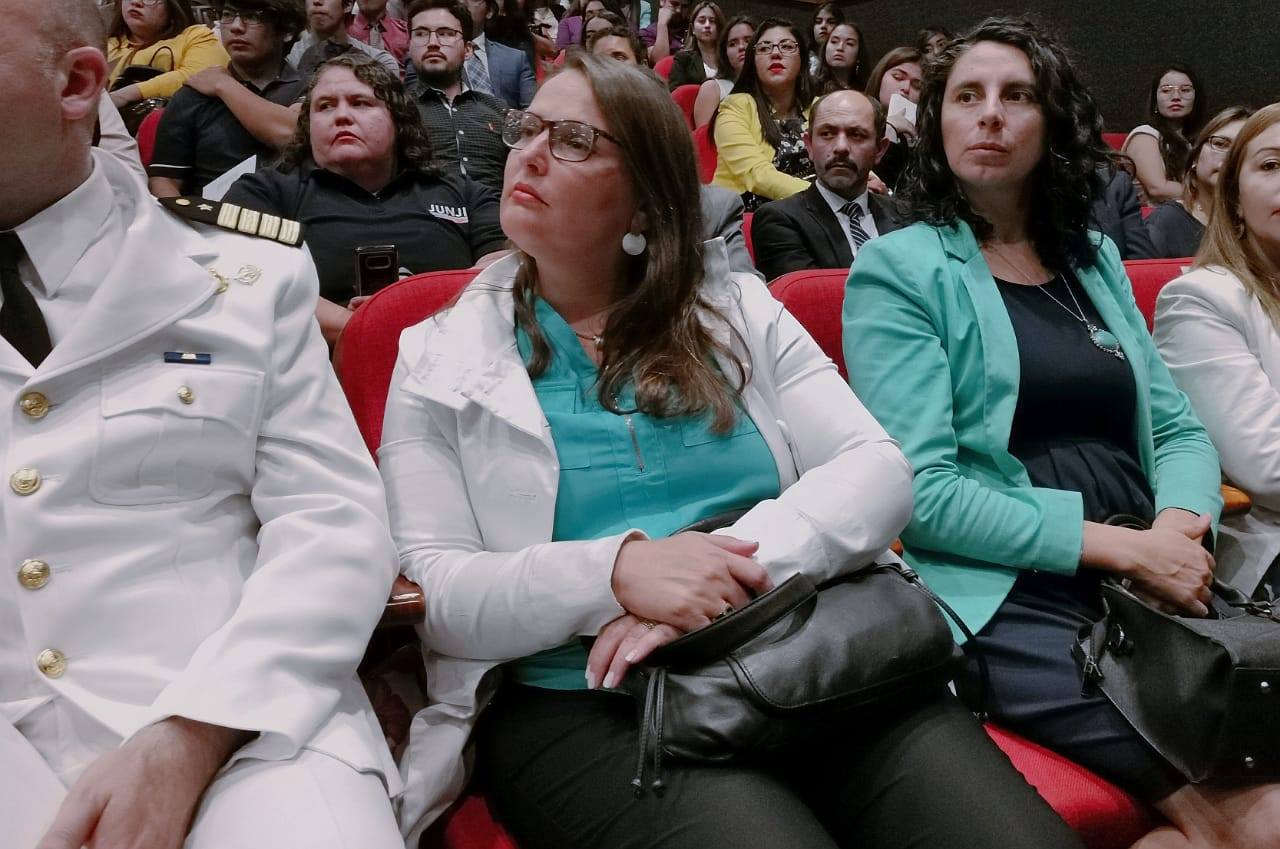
point(557, 767)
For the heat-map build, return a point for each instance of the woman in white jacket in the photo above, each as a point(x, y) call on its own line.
point(1218, 328)
point(545, 439)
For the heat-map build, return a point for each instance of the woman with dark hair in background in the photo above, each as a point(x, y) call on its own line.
point(897, 73)
point(571, 26)
point(163, 37)
point(931, 40)
point(1176, 226)
point(1177, 106)
point(998, 340)
point(618, 41)
point(525, 25)
point(731, 51)
point(759, 128)
point(628, 384)
point(699, 59)
point(823, 20)
point(843, 62)
point(359, 171)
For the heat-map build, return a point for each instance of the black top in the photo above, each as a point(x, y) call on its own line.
point(1117, 213)
point(436, 223)
point(466, 136)
point(1073, 427)
point(1174, 231)
point(687, 69)
point(199, 138)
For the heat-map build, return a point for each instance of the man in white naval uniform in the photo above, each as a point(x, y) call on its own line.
point(193, 543)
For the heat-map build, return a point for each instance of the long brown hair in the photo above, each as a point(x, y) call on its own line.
point(655, 338)
point(895, 57)
point(1226, 242)
point(1190, 180)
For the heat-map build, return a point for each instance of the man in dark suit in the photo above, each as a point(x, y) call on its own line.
point(496, 69)
point(823, 226)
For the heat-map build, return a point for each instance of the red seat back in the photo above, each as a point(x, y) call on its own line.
point(366, 352)
point(663, 68)
point(1115, 141)
point(746, 234)
point(685, 96)
point(1148, 276)
point(705, 148)
point(146, 137)
point(816, 299)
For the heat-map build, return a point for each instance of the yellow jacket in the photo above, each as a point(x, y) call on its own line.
point(745, 162)
point(192, 50)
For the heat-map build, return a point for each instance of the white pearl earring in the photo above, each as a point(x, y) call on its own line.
point(633, 244)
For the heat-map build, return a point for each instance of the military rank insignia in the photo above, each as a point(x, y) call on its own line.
point(230, 216)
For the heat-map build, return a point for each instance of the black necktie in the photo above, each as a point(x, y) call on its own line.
point(854, 211)
point(21, 322)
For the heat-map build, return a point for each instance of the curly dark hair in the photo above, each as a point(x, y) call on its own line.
point(1067, 178)
point(413, 147)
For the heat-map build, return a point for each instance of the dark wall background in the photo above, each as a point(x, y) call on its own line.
point(1117, 44)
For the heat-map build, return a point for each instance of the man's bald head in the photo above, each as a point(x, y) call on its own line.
point(63, 25)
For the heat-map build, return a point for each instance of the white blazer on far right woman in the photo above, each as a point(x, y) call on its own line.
point(1224, 353)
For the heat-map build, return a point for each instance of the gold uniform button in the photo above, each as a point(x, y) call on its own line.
point(24, 481)
point(52, 663)
point(185, 395)
point(33, 574)
point(35, 405)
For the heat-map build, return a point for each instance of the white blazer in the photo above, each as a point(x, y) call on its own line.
point(216, 534)
point(1224, 353)
point(471, 474)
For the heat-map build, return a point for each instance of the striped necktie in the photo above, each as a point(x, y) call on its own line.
point(854, 211)
point(21, 321)
point(477, 76)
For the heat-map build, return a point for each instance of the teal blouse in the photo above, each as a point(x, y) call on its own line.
point(630, 471)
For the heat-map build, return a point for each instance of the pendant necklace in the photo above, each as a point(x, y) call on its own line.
point(1102, 339)
point(598, 340)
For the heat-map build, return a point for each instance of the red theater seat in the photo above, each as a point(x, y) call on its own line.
point(684, 96)
point(663, 68)
point(147, 136)
point(1115, 141)
point(1148, 276)
point(746, 234)
point(705, 148)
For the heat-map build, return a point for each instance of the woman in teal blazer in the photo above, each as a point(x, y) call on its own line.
point(998, 341)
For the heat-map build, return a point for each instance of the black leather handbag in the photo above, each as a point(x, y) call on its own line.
point(1203, 692)
point(778, 671)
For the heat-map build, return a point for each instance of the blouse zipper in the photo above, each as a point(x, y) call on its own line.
point(635, 441)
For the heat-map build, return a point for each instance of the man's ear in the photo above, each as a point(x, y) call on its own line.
point(882, 147)
point(81, 77)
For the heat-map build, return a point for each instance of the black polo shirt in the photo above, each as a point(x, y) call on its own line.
point(199, 139)
point(466, 136)
point(436, 223)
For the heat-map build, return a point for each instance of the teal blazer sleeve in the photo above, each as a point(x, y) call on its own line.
point(931, 352)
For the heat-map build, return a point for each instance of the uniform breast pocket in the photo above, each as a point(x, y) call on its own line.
point(175, 434)
point(572, 430)
point(697, 430)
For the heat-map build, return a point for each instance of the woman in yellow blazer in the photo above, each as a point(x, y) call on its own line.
point(160, 34)
point(759, 128)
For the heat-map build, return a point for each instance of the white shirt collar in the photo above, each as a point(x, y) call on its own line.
point(58, 236)
point(837, 203)
point(480, 43)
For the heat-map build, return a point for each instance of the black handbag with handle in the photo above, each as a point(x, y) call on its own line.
point(778, 671)
point(1204, 692)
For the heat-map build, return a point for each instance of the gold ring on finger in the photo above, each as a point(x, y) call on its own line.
point(648, 623)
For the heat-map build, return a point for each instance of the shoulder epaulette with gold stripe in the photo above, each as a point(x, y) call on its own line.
point(239, 219)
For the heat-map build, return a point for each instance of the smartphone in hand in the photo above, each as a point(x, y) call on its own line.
point(377, 266)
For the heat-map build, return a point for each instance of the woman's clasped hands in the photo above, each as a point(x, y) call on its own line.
point(1168, 564)
point(669, 587)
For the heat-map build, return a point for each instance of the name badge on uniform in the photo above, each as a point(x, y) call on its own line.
point(188, 358)
point(455, 214)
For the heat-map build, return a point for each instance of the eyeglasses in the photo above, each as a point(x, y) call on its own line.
point(248, 17)
point(447, 36)
point(1184, 90)
point(570, 141)
point(786, 48)
point(148, 3)
point(1221, 144)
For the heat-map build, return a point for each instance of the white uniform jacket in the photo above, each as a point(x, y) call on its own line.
point(471, 474)
point(215, 535)
point(1224, 353)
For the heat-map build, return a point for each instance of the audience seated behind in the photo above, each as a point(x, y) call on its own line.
point(898, 72)
point(326, 37)
point(1079, 433)
point(571, 26)
point(375, 26)
point(1116, 212)
point(823, 20)
point(931, 40)
point(355, 175)
point(759, 128)
point(844, 60)
point(666, 35)
point(1176, 226)
point(449, 475)
point(828, 223)
point(1216, 327)
point(495, 68)
point(463, 125)
point(698, 61)
point(731, 48)
point(163, 45)
point(202, 134)
point(1176, 105)
point(615, 42)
